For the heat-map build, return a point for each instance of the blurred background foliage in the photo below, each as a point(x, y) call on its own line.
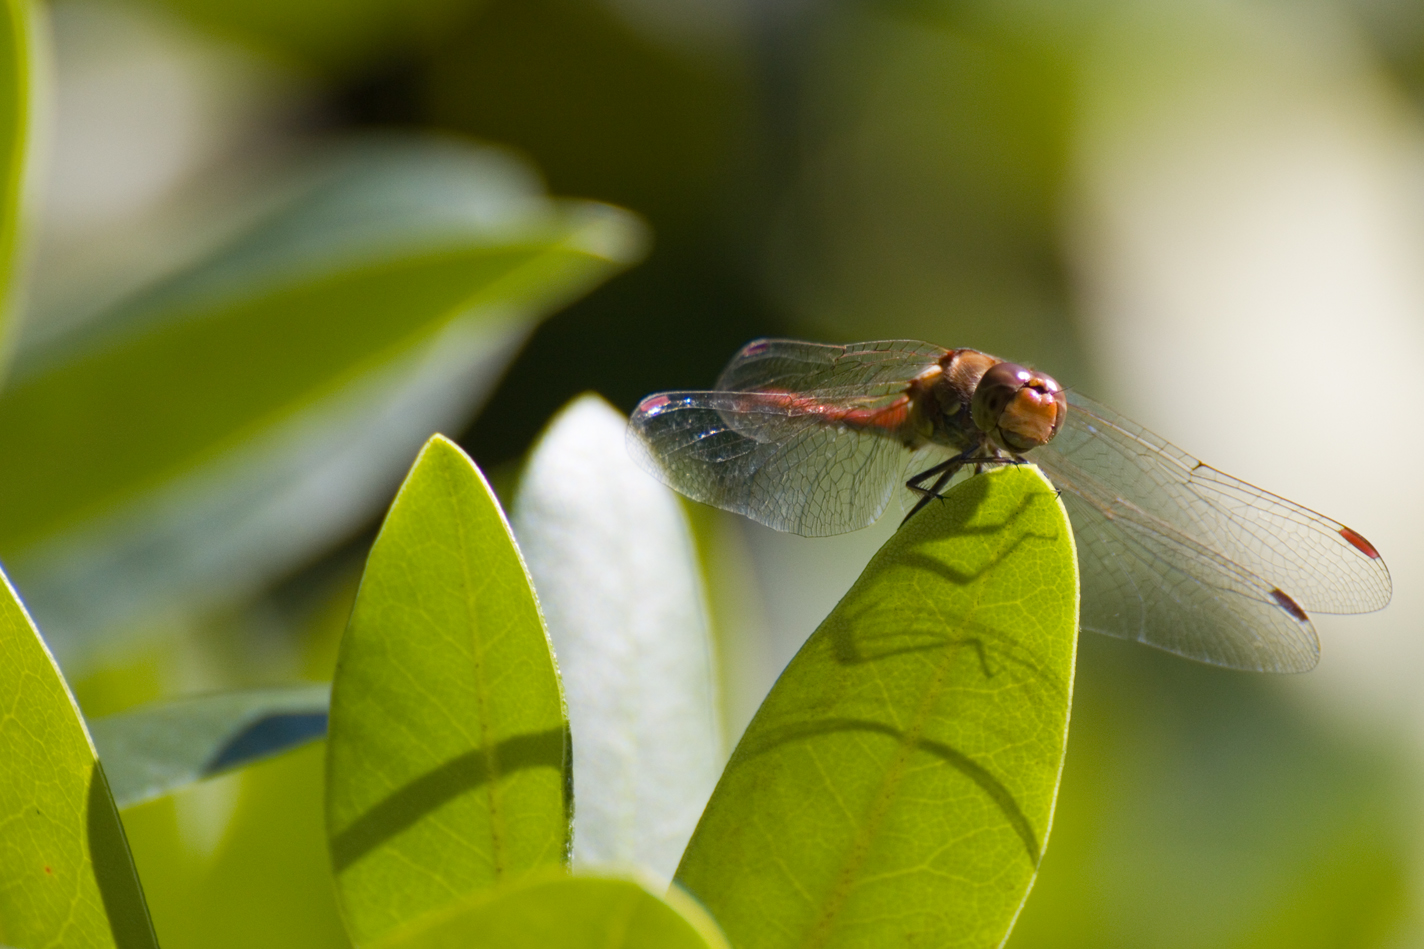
point(1207, 212)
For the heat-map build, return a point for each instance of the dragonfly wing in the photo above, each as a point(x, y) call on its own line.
point(1142, 584)
point(1323, 565)
point(859, 369)
point(758, 454)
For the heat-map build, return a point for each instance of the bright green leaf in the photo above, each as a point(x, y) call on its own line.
point(156, 749)
point(564, 913)
point(897, 786)
point(220, 429)
point(16, 79)
point(447, 754)
point(612, 557)
point(66, 876)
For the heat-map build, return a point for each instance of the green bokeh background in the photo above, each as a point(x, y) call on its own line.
point(833, 169)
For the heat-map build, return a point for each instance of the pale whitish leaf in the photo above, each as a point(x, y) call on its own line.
point(612, 559)
point(157, 749)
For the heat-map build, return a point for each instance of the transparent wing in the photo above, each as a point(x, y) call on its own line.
point(828, 372)
point(1149, 585)
point(1321, 563)
point(777, 461)
point(1185, 557)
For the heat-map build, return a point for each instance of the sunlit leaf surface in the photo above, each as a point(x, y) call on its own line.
point(897, 786)
point(565, 913)
point(198, 440)
point(16, 89)
point(613, 561)
point(447, 756)
point(150, 751)
point(66, 877)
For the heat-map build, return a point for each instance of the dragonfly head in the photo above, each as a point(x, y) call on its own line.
point(1018, 408)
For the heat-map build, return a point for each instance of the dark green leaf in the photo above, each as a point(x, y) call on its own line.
point(897, 786)
point(564, 913)
point(156, 749)
point(447, 757)
point(66, 876)
point(16, 71)
point(331, 34)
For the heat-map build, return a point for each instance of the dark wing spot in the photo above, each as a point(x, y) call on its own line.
point(1289, 605)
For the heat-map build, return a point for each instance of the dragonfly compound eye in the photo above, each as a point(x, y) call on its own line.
point(1017, 407)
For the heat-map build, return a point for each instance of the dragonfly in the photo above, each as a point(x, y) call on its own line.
point(815, 439)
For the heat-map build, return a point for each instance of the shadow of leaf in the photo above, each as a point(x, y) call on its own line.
point(407, 805)
point(268, 736)
point(990, 785)
point(114, 872)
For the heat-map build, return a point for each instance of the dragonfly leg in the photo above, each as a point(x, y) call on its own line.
point(931, 493)
point(942, 473)
point(951, 465)
point(916, 483)
point(945, 470)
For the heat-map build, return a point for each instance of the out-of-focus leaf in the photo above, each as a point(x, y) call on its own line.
point(66, 876)
point(210, 852)
point(1202, 807)
point(897, 786)
point(151, 751)
point(930, 187)
point(447, 767)
point(330, 33)
point(612, 558)
point(16, 80)
point(263, 880)
point(564, 913)
point(205, 437)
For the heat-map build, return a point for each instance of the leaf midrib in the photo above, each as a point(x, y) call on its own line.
point(859, 850)
point(487, 745)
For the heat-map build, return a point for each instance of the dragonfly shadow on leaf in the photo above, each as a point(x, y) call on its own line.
point(990, 785)
point(869, 631)
point(995, 648)
point(969, 496)
point(852, 649)
point(460, 775)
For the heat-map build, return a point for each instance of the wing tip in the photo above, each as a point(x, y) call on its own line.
point(1357, 540)
point(652, 405)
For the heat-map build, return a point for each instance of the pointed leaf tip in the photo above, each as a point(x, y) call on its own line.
point(897, 785)
point(447, 751)
point(612, 557)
